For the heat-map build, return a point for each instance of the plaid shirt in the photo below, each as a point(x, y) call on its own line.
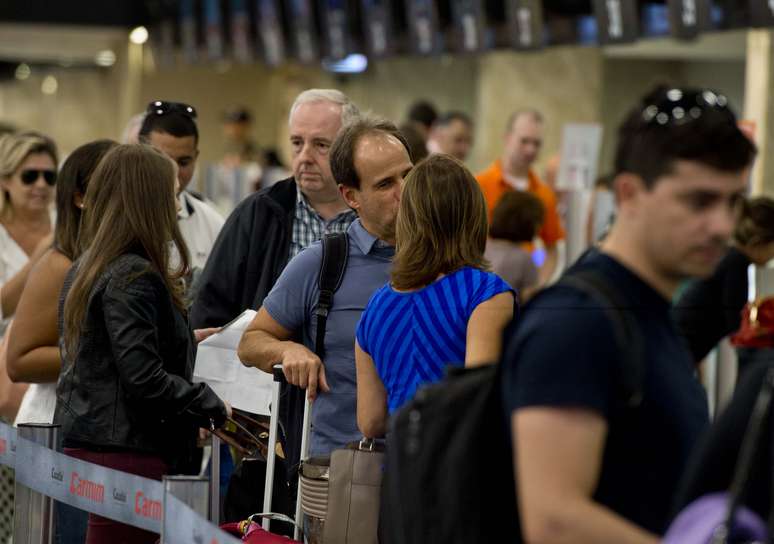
point(308, 226)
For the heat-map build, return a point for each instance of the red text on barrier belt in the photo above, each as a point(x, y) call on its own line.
point(87, 489)
point(146, 507)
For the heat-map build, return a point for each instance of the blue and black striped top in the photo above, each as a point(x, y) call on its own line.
point(412, 336)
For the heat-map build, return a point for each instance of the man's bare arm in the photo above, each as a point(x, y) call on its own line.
point(557, 460)
point(266, 343)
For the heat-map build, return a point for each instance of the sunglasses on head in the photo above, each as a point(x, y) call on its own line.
point(678, 107)
point(28, 177)
point(161, 107)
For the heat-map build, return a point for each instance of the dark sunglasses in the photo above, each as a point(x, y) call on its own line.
point(28, 177)
point(161, 107)
point(678, 107)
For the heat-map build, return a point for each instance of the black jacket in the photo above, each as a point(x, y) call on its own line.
point(715, 458)
point(711, 308)
point(250, 253)
point(128, 387)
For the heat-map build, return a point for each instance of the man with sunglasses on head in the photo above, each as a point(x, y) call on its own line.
point(602, 430)
point(171, 128)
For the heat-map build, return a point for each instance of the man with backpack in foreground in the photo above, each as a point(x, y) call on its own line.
point(601, 392)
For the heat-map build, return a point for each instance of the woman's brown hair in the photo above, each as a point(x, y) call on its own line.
point(755, 226)
point(517, 217)
point(129, 207)
point(442, 223)
point(72, 181)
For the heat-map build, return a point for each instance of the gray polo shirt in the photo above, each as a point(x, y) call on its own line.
point(292, 303)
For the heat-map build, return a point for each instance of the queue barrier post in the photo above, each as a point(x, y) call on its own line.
point(33, 521)
point(192, 491)
point(214, 516)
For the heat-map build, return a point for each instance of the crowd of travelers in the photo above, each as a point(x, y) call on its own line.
point(113, 269)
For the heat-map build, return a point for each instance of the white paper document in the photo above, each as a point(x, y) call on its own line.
point(217, 365)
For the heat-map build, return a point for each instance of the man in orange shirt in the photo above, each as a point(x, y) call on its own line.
point(512, 172)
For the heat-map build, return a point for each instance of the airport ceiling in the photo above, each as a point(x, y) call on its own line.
point(127, 13)
point(71, 32)
point(123, 13)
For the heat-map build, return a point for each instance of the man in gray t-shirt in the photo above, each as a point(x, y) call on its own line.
point(513, 264)
point(515, 222)
point(369, 160)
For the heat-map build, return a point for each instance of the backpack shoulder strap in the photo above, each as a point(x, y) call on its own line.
point(335, 253)
point(627, 330)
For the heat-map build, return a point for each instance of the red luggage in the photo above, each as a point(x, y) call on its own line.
point(252, 533)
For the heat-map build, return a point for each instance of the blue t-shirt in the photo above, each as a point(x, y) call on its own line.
point(564, 353)
point(413, 336)
point(292, 303)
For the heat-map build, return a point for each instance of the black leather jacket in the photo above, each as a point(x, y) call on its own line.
point(129, 385)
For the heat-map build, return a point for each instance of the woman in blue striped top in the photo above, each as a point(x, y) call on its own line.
point(441, 307)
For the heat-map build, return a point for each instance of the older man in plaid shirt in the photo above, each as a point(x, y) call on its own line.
point(270, 227)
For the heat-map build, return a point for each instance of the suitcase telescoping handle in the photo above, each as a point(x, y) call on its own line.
point(278, 517)
point(279, 379)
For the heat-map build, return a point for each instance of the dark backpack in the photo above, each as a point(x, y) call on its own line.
point(449, 468)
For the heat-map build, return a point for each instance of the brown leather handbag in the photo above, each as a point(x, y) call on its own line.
point(248, 436)
point(355, 481)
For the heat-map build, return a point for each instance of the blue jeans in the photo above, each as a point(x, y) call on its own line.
point(70, 524)
point(226, 470)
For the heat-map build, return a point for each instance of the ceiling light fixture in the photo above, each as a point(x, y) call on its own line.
point(139, 35)
point(351, 64)
point(50, 85)
point(22, 72)
point(105, 58)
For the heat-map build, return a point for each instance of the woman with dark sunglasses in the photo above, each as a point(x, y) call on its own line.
point(25, 233)
point(33, 345)
point(33, 342)
point(28, 164)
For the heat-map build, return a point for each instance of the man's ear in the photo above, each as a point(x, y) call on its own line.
point(627, 187)
point(349, 194)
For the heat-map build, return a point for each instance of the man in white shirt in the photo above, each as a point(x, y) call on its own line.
point(171, 128)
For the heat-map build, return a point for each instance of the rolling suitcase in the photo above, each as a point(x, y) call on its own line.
point(271, 458)
point(249, 530)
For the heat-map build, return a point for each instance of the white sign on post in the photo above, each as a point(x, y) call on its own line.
point(581, 144)
point(218, 365)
